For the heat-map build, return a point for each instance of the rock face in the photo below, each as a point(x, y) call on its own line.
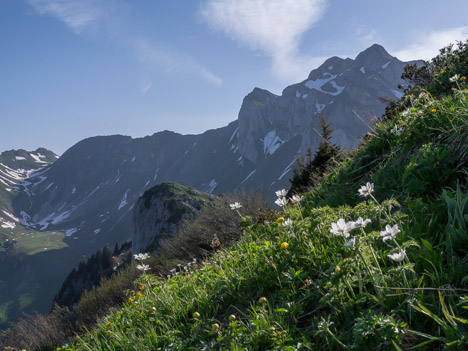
point(346, 91)
point(161, 210)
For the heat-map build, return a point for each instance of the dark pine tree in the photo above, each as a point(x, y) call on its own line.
point(309, 171)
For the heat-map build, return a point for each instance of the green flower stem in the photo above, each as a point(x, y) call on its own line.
point(336, 339)
point(369, 270)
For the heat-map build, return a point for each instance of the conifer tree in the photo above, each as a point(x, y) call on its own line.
point(309, 171)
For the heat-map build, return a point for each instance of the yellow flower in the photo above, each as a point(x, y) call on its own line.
point(284, 245)
point(463, 78)
point(129, 300)
point(263, 300)
point(433, 110)
point(139, 295)
point(108, 324)
point(153, 308)
point(141, 287)
point(232, 317)
point(280, 220)
point(196, 315)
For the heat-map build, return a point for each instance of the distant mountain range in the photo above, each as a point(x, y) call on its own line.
point(90, 191)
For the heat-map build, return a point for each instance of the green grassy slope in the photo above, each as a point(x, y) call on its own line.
point(301, 287)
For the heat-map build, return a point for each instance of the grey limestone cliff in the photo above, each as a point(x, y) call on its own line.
point(162, 210)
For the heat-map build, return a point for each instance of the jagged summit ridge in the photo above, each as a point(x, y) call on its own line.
point(346, 91)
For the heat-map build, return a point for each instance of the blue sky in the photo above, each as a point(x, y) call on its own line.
point(71, 69)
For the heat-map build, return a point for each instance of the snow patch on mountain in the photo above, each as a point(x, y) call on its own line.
point(156, 174)
point(248, 176)
point(363, 70)
point(211, 186)
point(317, 84)
point(48, 186)
point(287, 169)
point(233, 134)
point(271, 143)
point(71, 231)
point(7, 224)
point(37, 158)
point(319, 107)
point(339, 89)
point(397, 93)
point(10, 215)
point(385, 65)
point(124, 200)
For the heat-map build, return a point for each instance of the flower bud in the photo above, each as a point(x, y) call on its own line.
point(263, 300)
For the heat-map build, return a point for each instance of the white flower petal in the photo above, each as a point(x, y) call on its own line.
point(281, 193)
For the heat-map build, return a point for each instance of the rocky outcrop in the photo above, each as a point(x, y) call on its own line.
point(162, 210)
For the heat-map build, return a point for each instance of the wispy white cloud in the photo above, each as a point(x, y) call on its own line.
point(427, 45)
point(78, 15)
point(147, 86)
point(156, 60)
point(274, 27)
point(84, 17)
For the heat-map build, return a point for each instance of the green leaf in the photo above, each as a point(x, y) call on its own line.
point(282, 310)
point(396, 346)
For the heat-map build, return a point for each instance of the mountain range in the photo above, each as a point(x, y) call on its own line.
point(88, 194)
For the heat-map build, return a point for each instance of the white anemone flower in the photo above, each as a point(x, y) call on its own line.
point(398, 256)
point(406, 113)
point(361, 223)
point(143, 267)
point(141, 256)
point(281, 193)
point(282, 201)
point(389, 233)
point(455, 78)
point(235, 206)
point(350, 243)
point(366, 190)
point(287, 223)
point(297, 198)
point(397, 131)
point(342, 228)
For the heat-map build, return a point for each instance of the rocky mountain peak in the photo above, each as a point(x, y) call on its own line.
point(346, 91)
point(374, 56)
